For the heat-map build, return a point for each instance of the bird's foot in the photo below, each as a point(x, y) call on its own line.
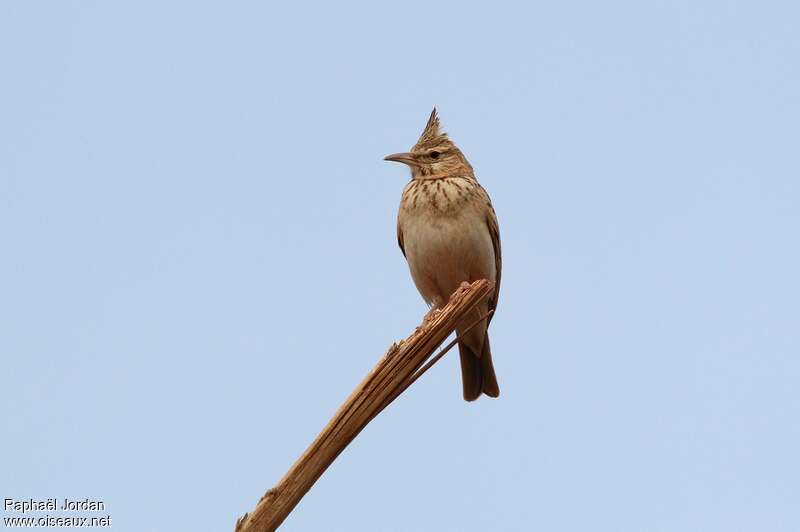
point(432, 313)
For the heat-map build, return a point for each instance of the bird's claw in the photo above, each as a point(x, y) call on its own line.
point(432, 313)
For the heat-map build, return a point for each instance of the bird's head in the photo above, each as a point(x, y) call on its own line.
point(434, 156)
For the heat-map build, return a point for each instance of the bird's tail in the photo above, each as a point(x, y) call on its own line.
point(477, 372)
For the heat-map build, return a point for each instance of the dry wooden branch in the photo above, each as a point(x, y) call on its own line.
point(402, 364)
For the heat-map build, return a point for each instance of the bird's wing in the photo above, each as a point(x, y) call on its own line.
point(494, 231)
point(400, 237)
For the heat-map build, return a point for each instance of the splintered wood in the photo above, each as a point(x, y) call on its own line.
point(398, 368)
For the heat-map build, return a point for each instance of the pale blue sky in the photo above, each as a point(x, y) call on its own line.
point(185, 187)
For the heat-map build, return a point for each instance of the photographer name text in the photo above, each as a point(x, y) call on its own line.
point(51, 505)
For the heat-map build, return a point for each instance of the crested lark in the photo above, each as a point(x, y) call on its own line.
point(447, 230)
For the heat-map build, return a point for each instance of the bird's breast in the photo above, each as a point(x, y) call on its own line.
point(445, 196)
point(445, 237)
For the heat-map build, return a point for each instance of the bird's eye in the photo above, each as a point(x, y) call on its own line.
point(434, 154)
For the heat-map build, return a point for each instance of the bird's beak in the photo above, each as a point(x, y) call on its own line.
point(405, 158)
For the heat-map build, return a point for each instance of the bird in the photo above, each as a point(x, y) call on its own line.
point(448, 232)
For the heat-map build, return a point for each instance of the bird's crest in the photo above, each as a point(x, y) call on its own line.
point(432, 134)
